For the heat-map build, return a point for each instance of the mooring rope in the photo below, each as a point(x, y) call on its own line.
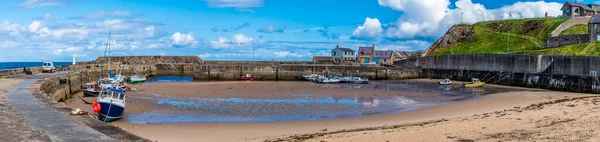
point(501, 79)
point(486, 75)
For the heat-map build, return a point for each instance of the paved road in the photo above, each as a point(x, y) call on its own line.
point(45, 119)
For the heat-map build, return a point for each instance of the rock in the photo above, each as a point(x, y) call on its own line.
point(456, 34)
point(324, 129)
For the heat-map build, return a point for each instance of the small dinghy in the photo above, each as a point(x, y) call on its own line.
point(359, 80)
point(329, 80)
point(445, 82)
point(475, 82)
point(136, 78)
point(247, 77)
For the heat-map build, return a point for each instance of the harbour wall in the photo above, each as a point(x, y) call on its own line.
point(281, 72)
point(62, 85)
point(563, 73)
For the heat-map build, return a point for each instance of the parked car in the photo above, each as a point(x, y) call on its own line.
point(48, 67)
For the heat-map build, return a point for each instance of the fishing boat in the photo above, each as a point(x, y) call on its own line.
point(359, 80)
point(110, 104)
point(345, 79)
point(473, 84)
point(247, 77)
point(308, 77)
point(329, 80)
point(445, 82)
point(136, 78)
point(91, 89)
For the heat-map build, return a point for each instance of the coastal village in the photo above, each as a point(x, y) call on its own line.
point(525, 79)
point(365, 56)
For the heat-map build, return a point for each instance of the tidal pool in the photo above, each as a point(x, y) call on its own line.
point(208, 102)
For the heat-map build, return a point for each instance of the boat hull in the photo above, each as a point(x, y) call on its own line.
point(87, 93)
point(137, 81)
point(110, 111)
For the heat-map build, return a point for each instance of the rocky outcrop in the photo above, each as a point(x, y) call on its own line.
point(456, 34)
point(146, 60)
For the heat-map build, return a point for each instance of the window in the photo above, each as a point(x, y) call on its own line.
point(333, 53)
point(595, 26)
point(362, 53)
point(351, 53)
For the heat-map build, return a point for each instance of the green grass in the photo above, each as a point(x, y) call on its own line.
point(587, 49)
point(541, 34)
point(487, 42)
point(577, 29)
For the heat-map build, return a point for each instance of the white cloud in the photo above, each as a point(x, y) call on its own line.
point(370, 29)
point(235, 41)
point(272, 29)
point(235, 3)
point(205, 55)
point(102, 14)
point(40, 3)
point(34, 26)
point(180, 39)
point(70, 34)
point(283, 54)
point(431, 18)
point(12, 29)
point(8, 44)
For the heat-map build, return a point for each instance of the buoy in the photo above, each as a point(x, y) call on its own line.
point(96, 107)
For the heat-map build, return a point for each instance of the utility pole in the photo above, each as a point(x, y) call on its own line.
point(461, 17)
point(253, 52)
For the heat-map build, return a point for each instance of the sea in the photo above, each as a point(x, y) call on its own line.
point(14, 65)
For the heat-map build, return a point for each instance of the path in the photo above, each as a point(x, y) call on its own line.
point(521, 36)
point(47, 120)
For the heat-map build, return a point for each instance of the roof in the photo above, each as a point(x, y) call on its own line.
point(344, 49)
point(595, 19)
point(584, 6)
point(382, 54)
point(366, 50)
point(116, 90)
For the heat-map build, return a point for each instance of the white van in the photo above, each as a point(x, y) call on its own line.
point(48, 67)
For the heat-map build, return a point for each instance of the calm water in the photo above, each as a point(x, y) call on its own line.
point(171, 79)
point(14, 65)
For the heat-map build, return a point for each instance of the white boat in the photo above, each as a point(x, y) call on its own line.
point(329, 80)
point(136, 78)
point(359, 80)
point(445, 82)
point(91, 89)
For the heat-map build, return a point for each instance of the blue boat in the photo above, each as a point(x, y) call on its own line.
point(112, 104)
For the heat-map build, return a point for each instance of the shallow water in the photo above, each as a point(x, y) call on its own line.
point(401, 96)
point(171, 79)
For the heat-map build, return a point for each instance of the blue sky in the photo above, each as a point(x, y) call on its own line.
point(56, 30)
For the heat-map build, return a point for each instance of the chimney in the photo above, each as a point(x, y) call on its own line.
point(337, 46)
point(373, 45)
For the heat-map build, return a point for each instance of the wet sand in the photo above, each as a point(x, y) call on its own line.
point(261, 131)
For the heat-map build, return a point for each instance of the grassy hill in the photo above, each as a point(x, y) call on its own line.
point(577, 29)
point(504, 36)
point(588, 49)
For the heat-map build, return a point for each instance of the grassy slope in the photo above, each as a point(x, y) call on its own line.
point(488, 42)
point(587, 49)
point(577, 29)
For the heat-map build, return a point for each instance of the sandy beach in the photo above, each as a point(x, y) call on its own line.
point(497, 116)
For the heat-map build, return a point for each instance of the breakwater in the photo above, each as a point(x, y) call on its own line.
point(562, 73)
point(61, 86)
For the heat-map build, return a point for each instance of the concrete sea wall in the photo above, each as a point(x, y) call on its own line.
point(564, 73)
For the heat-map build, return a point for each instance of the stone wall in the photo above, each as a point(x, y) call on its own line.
point(146, 60)
point(61, 86)
point(567, 40)
point(293, 72)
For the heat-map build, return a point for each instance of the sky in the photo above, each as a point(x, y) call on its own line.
point(57, 30)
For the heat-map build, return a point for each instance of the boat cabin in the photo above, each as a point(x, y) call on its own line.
point(113, 94)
